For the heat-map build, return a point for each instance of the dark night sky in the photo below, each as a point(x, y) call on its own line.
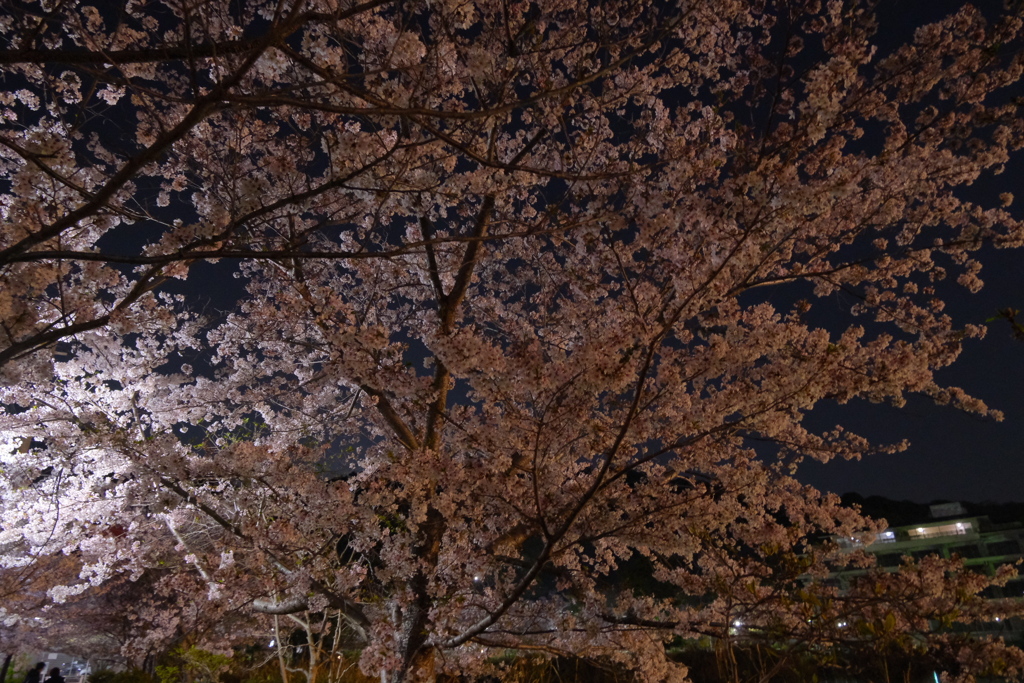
point(953, 455)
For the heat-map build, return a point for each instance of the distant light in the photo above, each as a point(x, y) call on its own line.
point(272, 642)
point(841, 624)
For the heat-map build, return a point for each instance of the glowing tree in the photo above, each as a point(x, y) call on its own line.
point(497, 278)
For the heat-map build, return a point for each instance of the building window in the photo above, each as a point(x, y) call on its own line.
point(991, 592)
point(967, 552)
point(890, 559)
point(1014, 589)
point(951, 529)
point(1011, 547)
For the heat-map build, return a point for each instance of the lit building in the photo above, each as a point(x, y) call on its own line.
point(982, 545)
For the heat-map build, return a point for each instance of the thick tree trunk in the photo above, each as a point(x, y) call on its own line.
point(417, 661)
point(421, 669)
point(418, 669)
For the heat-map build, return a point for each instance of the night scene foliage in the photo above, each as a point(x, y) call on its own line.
point(472, 327)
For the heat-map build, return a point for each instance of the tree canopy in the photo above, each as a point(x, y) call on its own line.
point(442, 316)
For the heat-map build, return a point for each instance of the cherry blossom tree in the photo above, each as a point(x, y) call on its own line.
point(512, 296)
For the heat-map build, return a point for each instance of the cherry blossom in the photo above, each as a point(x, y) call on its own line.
point(436, 319)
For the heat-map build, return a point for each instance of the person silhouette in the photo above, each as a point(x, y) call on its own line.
point(35, 674)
